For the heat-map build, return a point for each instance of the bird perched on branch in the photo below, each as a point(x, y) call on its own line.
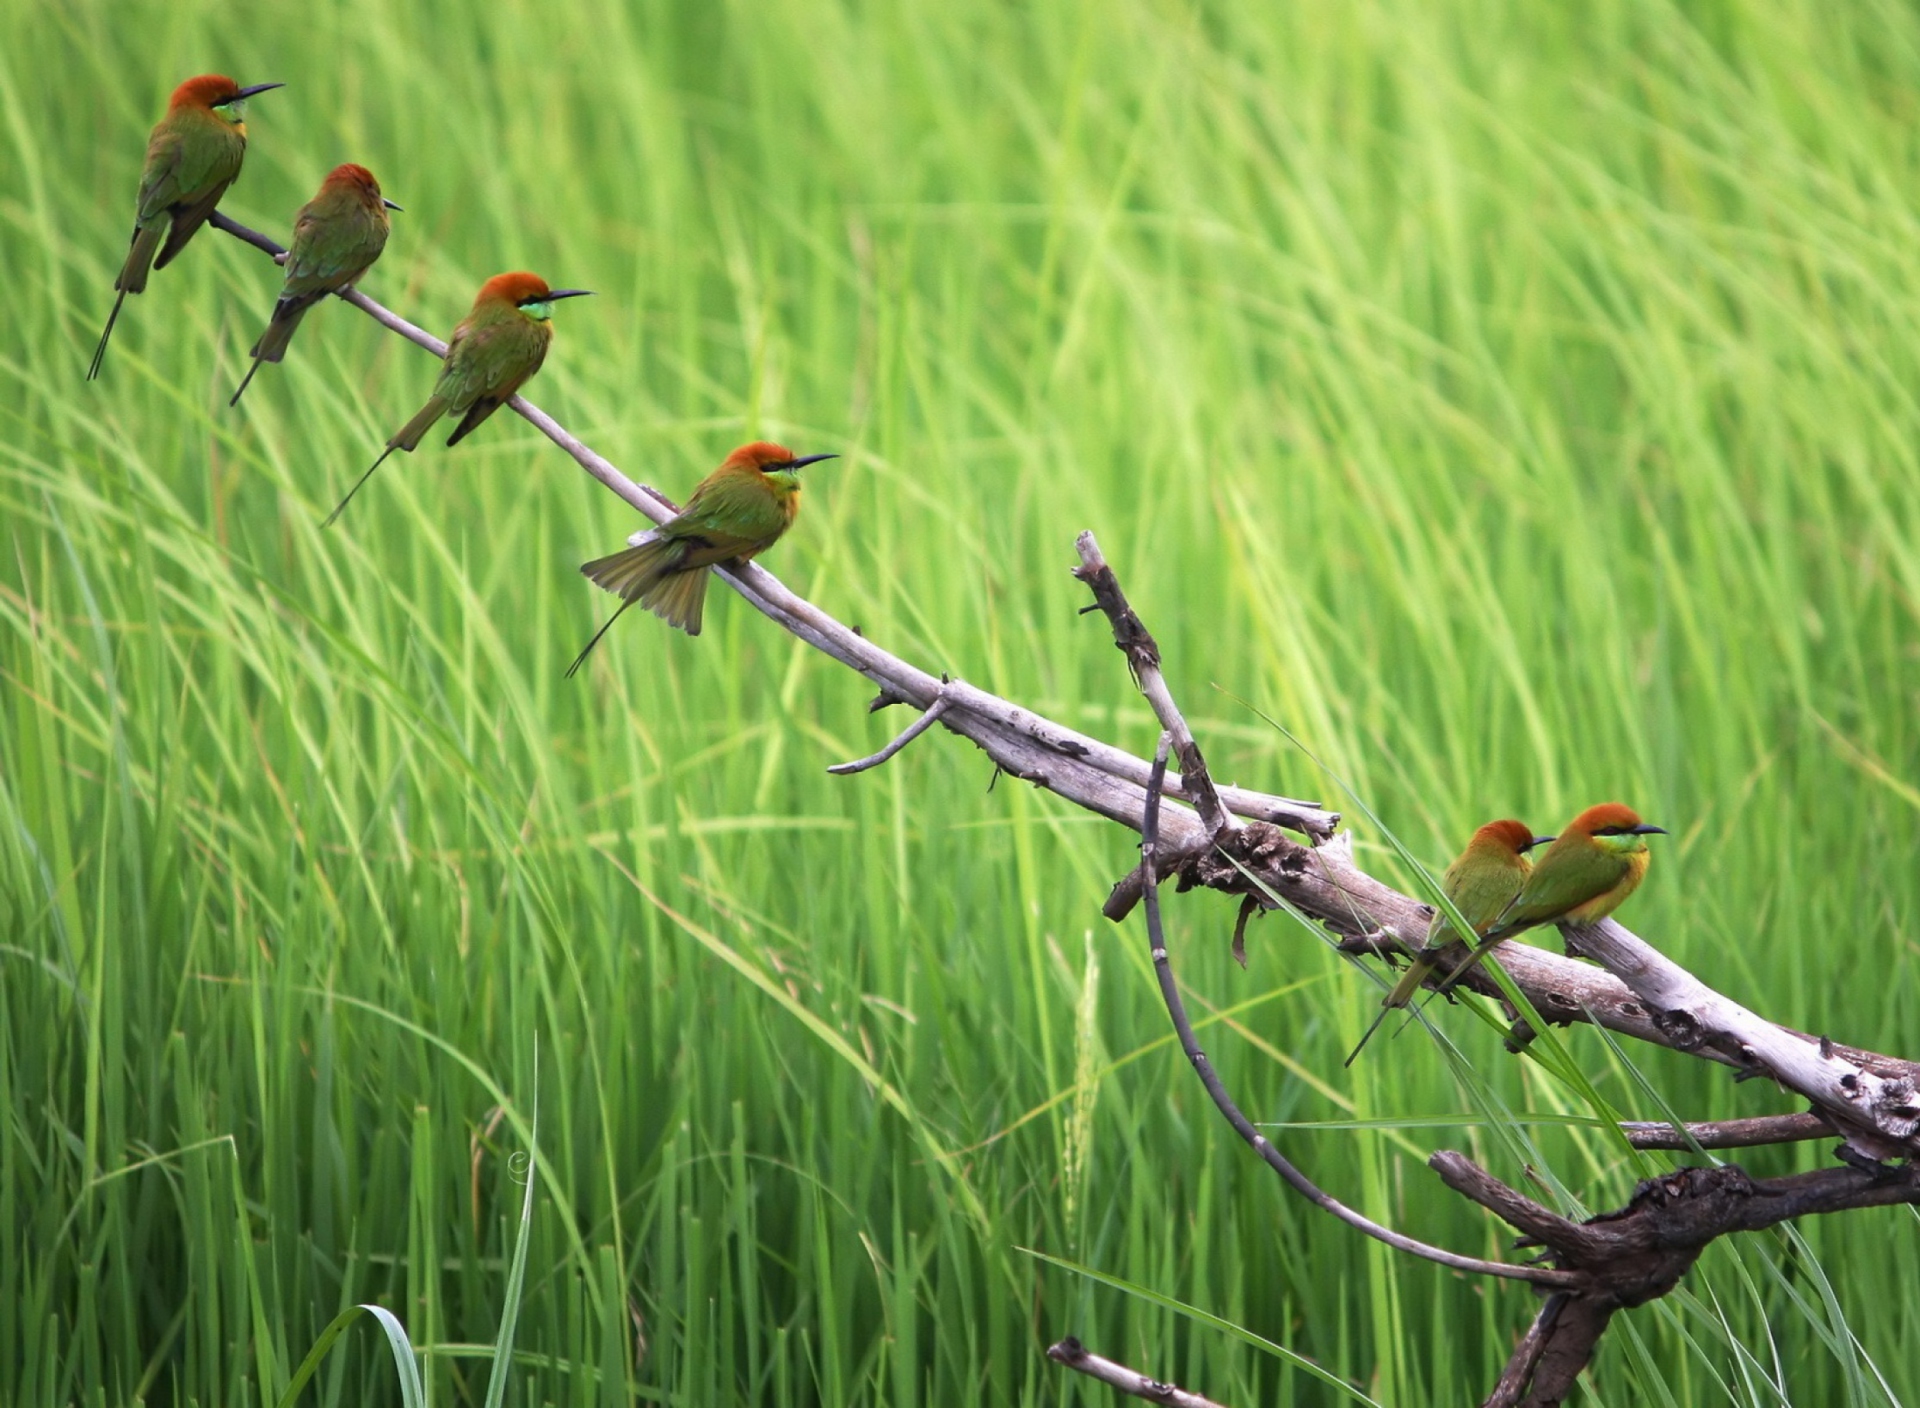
point(736, 513)
point(193, 155)
point(1482, 883)
point(1598, 859)
point(336, 237)
point(496, 348)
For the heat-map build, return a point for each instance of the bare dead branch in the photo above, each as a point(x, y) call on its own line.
point(906, 736)
point(1870, 1095)
point(1143, 661)
point(1877, 1114)
point(1526, 1357)
point(1075, 1355)
point(1728, 1134)
point(1638, 1254)
point(1083, 770)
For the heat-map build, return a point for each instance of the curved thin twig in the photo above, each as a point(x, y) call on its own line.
point(906, 736)
point(1298, 1181)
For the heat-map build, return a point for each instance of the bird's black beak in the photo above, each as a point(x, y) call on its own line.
point(391, 206)
point(1541, 841)
point(1644, 830)
point(561, 293)
point(807, 460)
point(256, 88)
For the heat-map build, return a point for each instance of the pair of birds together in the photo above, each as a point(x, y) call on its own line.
point(1589, 869)
point(195, 152)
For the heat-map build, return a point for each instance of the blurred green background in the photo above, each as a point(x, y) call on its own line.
point(1517, 402)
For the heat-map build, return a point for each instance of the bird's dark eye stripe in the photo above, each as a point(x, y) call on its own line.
point(1613, 831)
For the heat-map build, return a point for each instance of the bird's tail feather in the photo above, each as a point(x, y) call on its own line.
point(272, 345)
point(476, 414)
point(1402, 993)
point(247, 379)
point(133, 279)
point(587, 649)
point(679, 599)
point(133, 274)
point(341, 507)
point(100, 352)
point(1367, 1035)
point(1474, 955)
point(632, 571)
point(408, 436)
point(287, 313)
point(650, 575)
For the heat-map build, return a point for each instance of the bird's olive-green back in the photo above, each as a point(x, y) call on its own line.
point(1482, 883)
point(491, 354)
point(336, 237)
point(736, 512)
point(1575, 870)
point(191, 155)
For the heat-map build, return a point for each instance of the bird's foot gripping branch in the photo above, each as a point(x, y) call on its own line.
point(1267, 849)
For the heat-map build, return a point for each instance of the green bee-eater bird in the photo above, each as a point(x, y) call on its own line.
point(498, 345)
point(336, 237)
point(735, 514)
point(1483, 882)
point(1595, 863)
point(193, 155)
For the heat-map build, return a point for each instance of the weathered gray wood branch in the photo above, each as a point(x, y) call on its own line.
point(1130, 634)
point(1870, 1098)
point(1084, 770)
point(1076, 1356)
point(1728, 1134)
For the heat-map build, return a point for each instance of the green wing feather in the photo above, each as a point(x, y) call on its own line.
point(160, 179)
point(735, 515)
point(332, 246)
point(1573, 871)
point(491, 358)
point(1482, 892)
point(189, 168)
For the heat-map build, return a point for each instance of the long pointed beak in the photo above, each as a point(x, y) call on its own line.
point(1644, 830)
point(807, 460)
point(1541, 841)
point(391, 206)
point(560, 293)
point(256, 88)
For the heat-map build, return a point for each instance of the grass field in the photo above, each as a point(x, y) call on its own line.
point(1518, 402)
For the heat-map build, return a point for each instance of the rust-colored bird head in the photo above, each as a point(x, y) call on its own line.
point(213, 92)
point(1510, 836)
point(527, 292)
point(356, 179)
point(1613, 825)
point(769, 458)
